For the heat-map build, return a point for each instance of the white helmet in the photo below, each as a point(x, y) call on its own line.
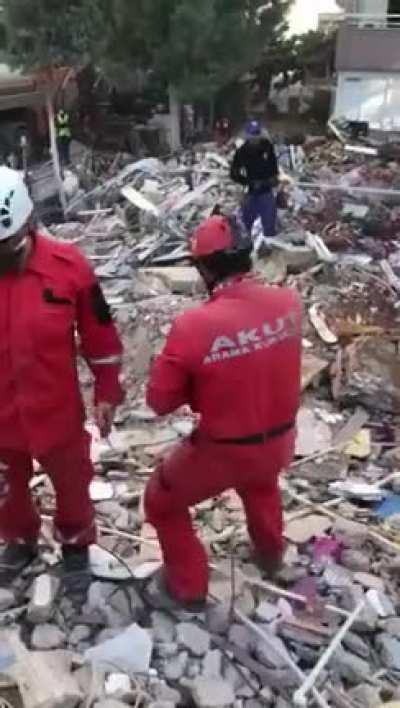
point(16, 206)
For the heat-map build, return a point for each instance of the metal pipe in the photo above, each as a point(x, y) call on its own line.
point(286, 657)
point(300, 697)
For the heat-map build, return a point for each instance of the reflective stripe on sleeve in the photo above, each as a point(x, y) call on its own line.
point(107, 360)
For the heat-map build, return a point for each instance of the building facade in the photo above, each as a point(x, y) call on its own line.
point(368, 64)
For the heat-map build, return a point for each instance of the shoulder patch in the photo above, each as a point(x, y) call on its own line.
point(101, 309)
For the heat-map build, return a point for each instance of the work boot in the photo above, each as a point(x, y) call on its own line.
point(77, 574)
point(159, 596)
point(14, 559)
point(269, 565)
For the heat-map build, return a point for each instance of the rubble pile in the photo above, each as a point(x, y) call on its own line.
point(326, 630)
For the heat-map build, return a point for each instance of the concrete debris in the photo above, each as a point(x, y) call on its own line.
point(43, 594)
point(212, 693)
point(7, 599)
point(339, 248)
point(193, 638)
point(129, 651)
point(47, 636)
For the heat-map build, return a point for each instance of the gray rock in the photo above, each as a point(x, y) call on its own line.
point(291, 574)
point(7, 599)
point(109, 703)
point(212, 693)
point(162, 692)
point(47, 636)
point(336, 576)
point(242, 637)
point(247, 686)
point(107, 634)
point(193, 638)
point(365, 696)
point(43, 594)
point(124, 521)
point(164, 629)
point(162, 704)
point(218, 618)
point(128, 603)
point(367, 621)
point(350, 533)
point(167, 650)
point(389, 648)
point(350, 667)
point(175, 668)
point(98, 596)
point(245, 602)
point(274, 654)
point(232, 676)
point(193, 669)
point(111, 509)
point(212, 664)
point(79, 634)
point(355, 560)
point(268, 699)
point(354, 643)
point(370, 581)
point(266, 612)
point(392, 626)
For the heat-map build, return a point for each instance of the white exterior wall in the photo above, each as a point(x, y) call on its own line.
point(369, 96)
point(374, 7)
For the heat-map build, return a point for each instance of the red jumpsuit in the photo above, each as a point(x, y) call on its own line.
point(236, 360)
point(41, 410)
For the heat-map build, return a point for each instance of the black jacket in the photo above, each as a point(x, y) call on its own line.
point(255, 166)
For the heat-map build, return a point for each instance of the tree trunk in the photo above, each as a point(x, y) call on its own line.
point(54, 151)
point(175, 118)
point(212, 114)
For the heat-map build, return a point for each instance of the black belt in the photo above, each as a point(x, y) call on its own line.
point(259, 438)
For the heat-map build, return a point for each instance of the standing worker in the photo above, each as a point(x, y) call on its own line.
point(48, 292)
point(64, 135)
point(241, 373)
point(255, 166)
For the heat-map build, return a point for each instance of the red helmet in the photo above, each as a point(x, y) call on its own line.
point(220, 234)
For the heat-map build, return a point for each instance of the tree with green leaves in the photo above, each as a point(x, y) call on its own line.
point(195, 46)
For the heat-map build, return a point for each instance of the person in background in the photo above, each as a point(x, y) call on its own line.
point(255, 167)
point(235, 360)
point(64, 135)
point(48, 292)
point(223, 132)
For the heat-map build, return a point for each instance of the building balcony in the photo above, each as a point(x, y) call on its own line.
point(369, 43)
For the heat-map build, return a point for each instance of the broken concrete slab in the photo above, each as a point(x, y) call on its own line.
point(129, 651)
point(164, 628)
point(310, 526)
point(43, 596)
point(313, 435)
point(212, 664)
point(389, 648)
point(7, 599)
point(193, 638)
point(175, 667)
point(351, 668)
point(183, 280)
point(350, 533)
point(212, 693)
point(47, 636)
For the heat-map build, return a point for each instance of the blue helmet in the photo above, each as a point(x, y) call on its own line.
point(253, 129)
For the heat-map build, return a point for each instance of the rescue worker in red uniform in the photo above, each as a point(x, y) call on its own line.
point(48, 293)
point(236, 361)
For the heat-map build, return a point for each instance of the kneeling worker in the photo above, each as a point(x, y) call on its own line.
point(236, 361)
point(48, 292)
